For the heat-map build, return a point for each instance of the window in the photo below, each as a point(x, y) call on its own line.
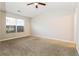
point(10, 25)
point(20, 25)
point(14, 25)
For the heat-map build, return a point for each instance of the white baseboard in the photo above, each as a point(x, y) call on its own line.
point(54, 39)
point(39, 37)
point(15, 37)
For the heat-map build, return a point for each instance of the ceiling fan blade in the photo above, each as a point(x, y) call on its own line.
point(41, 3)
point(30, 3)
point(36, 6)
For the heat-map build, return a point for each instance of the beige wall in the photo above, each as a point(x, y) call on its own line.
point(4, 35)
point(54, 25)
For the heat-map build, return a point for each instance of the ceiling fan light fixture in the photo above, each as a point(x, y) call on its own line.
point(35, 4)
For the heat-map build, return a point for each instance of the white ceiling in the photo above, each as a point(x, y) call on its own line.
point(31, 11)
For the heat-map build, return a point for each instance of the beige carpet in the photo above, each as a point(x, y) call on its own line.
point(33, 46)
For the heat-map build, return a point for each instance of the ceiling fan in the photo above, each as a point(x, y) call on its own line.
point(37, 3)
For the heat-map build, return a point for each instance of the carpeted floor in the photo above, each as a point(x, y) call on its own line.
point(33, 46)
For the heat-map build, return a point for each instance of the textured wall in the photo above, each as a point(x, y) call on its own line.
point(4, 35)
point(59, 25)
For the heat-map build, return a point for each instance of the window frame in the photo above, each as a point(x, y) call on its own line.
point(16, 25)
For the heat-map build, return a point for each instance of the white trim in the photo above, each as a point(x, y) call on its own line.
point(15, 37)
point(39, 37)
point(75, 27)
point(55, 39)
